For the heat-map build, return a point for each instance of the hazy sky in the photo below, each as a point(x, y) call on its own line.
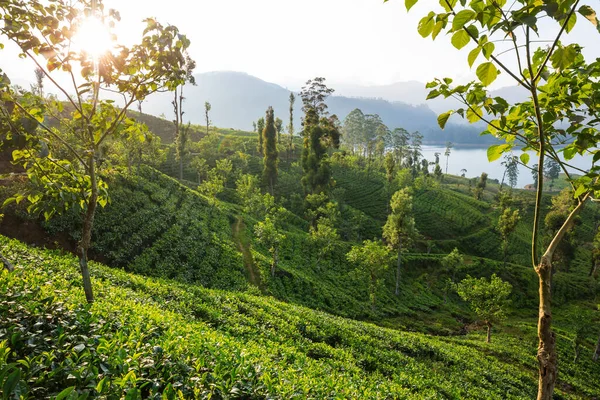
point(289, 41)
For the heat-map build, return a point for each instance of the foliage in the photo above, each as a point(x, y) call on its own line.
point(488, 298)
point(372, 259)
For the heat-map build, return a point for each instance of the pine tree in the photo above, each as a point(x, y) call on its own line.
point(269, 142)
point(260, 126)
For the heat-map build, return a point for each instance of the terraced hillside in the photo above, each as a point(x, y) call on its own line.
point(148, 338)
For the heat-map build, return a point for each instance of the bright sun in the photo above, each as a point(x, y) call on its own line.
point(93, 38)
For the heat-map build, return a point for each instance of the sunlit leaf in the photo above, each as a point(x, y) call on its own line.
point(460, 39)
point(487, 73)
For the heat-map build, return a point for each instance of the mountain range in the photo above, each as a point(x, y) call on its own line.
point(238, 99)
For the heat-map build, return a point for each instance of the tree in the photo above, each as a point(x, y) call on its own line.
point(507, 223)
point(207, 108)
point(253, 126)
point(551, 171)
point(270, 151)
point(215, 183)
point(291, 125)
point(480, 187)
point(320, 134)
point(182, 132)
point(354, 129)
point(269, 235)
point(488, 298)
point(390, 167)
point(452, 261)
point(511, 169)
point(278, 128)
point(399, 144)
point(313, 94)
point(535, 175)
point(372, 261)
point(561, 87)
point(199, 164)
point(447, 154)
point(260, 127)
point(463, 172)
point(399, 229)
point(158, 63)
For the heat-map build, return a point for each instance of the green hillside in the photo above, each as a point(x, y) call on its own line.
point(146, 338)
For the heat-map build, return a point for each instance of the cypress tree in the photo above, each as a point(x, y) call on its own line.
point(269, 141)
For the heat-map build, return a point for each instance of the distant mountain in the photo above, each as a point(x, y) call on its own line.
point(415, 93)
point(237, 99)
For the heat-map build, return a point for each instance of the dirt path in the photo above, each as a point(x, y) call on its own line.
point(241, 240)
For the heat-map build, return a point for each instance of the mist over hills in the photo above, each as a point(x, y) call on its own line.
point(237, 99)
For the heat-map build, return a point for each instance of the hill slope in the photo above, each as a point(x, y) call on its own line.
point(146, 338)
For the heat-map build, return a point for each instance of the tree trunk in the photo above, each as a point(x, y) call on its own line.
point(489, 332)
point(546, 356)
point(86, 234)
point(597, 352)
point(7, 264)
point(398, 267)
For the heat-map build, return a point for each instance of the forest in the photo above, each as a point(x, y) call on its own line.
point(147, 256)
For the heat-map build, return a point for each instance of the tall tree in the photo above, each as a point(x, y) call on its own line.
point(291, 125)
point(157, 63)
point(507, 223)
point(399, 229)
point(313, 94)
point(271, 156)
point(278, 128)
point(447, 154)
point(353, 128)
point(551, 171)
point(560, 86)
point(260, 127)
point(207, 108)
point(320, 134)
point(182, 131)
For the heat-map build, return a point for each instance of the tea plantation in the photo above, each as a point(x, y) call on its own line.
point(153, 338)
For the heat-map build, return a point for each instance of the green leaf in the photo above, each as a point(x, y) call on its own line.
point(65, 393)
point(460, 39)
point(443, 118)
point(495, 152)
point(473, 55)
point(461, 18)
point(426, 25)
point(571, 22)
point(589, 13)
point(473, 114)
point(569, 152)
point(11, 383)
point(488, 49)
point(409, 4)
point(487, 73)
point(581, 189)
point(524, 158)
point(563, 57)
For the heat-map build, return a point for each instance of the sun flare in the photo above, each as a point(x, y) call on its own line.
point(93, 37)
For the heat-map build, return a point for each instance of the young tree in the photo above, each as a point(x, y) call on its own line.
point(207, 108)
point(561, 87)
point(260, 127)
point(399, 229)
point(447, 154)
point(511, 169)
point(253, 126)
point(158, 63)
point(488, 298)
point(452, 261)
point(507, 223)
point(270, 236)
point(271, 157)
point(291, 125)
point(372, 260)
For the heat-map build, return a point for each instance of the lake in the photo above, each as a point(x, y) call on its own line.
point(475, 161)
